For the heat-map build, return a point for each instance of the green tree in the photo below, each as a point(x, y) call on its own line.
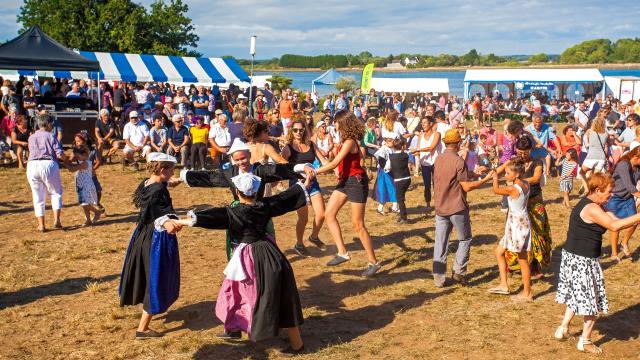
point(347, 84)
point(170, 29)
point(279, 82)
point(470, 58)
point(113, 25)
point(538, 58)
point(587, 52)
point(626, 51)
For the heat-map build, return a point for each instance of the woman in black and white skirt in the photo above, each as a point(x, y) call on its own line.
point(581, 284)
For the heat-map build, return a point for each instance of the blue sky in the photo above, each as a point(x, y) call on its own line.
point(392, 27)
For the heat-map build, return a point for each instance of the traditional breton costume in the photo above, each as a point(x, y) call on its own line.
point(384, 190)
point(222, 178)
point(151, 271)
point(259, 293)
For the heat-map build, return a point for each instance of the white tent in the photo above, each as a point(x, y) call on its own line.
point(624, 88)
point(433, 85)
point(532, 79)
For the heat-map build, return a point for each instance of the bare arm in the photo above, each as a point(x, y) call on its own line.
point(537, 174)
point(509, 190)
point(272, 153)
point(595, 214)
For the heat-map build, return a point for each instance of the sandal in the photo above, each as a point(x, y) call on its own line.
point(498, 291)
point(625, 250)
point(562, 333)
point(591, 347)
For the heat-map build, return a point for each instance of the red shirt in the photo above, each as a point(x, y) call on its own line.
point(350, 165)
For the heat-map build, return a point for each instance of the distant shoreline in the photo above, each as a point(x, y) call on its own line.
point(464, 68)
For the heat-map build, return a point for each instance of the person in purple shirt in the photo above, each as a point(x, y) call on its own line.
point(43, 172)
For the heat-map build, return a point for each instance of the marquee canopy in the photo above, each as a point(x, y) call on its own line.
point(143, 68)
point(433, 85)
point(553, 75)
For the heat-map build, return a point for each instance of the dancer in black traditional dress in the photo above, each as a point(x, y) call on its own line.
point(151, 271)
point(259, 295)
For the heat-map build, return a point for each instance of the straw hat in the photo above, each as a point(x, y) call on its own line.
point(452, 136)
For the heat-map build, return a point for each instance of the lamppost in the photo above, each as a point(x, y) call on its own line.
point(252, 51)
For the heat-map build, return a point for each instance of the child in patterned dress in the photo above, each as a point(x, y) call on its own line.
point(517, 230)
point(87, 195)
point(569, 164)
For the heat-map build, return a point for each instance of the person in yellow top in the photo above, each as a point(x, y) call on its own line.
point(199, 135)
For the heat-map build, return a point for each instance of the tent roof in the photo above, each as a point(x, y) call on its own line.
point(634, 78)
point(35, 50)
point(330, 77)
point(436, 85)
point(143, 68)
point(552, 75)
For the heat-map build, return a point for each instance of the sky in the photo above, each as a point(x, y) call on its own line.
point(393, 27)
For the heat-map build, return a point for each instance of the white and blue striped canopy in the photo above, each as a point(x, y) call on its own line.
point(142, 68)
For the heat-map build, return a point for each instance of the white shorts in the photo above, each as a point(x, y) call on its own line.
point(596, 165)
point(145, 150)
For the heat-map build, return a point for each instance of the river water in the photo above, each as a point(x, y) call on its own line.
point(302, 79)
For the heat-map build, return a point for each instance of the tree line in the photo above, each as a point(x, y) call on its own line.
point(599, 51)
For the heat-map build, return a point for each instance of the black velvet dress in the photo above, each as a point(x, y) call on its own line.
point(151, 271)
point(259, 294)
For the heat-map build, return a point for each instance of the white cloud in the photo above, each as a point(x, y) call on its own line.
point(384, 27)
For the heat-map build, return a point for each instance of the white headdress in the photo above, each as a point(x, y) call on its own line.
point(247, 183)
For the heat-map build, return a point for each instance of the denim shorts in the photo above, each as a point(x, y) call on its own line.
point(314, 187)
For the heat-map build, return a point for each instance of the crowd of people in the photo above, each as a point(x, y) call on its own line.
point(279, 141)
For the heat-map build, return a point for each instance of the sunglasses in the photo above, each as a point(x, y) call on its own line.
point(298, 130)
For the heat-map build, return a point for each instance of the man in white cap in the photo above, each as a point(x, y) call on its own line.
point(136, 137)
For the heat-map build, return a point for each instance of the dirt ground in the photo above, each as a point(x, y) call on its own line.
point(58, 290)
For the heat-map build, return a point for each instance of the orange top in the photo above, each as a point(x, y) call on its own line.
point(286, 109)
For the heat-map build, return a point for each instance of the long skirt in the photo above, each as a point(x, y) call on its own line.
point(151, 271)
point(266, 299)
point(540, 252)
point(384, 190)
point(581, 285)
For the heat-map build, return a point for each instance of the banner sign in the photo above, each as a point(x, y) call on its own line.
point(535, 85)
point(367, 74)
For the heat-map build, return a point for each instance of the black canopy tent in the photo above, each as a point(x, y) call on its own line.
point(35, 50)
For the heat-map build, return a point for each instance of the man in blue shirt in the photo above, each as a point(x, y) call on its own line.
point(178, 139)
point(341, 103)
point(201, 104)
point(542, 133)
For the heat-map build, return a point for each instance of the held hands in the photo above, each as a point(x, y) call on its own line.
point(310, 172)
point(173, 226)
point(490, 175)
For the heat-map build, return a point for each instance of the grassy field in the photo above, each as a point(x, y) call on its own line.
point(58, 290)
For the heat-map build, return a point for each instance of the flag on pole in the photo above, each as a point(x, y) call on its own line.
point(367, 73)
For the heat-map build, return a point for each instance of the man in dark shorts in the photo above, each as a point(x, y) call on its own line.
point(105, 133)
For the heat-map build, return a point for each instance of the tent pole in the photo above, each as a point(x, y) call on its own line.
point(251, 87)
point(99, 96)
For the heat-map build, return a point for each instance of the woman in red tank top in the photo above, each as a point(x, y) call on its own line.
point(353, 186)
